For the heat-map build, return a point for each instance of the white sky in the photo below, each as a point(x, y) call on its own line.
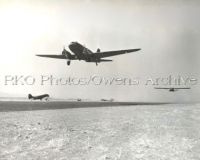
point(168, 34)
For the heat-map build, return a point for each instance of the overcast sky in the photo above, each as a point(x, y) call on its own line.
point(167, 32)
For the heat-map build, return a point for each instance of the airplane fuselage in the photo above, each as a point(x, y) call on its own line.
point(172, 90)
point(82, 53)
point(40, 97)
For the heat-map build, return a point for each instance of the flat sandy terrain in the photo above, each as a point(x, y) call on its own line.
point(137, 132)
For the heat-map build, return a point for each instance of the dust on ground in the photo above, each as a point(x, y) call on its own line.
point(158, 132)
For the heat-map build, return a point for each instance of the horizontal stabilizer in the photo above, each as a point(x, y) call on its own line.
point(105, 60)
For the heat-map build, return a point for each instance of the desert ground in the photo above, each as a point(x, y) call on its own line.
point(132, 132)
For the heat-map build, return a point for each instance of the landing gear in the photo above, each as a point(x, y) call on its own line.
point(96, 63)
point(68, 63)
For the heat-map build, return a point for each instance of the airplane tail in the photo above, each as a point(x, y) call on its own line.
point(30, 96)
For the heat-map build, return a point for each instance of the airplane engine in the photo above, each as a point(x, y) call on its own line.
point(63, 52)
point(98, 50)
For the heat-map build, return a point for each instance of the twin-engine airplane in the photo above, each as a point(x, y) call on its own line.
point(82, 53)
point(40, 97)
point(172, 89)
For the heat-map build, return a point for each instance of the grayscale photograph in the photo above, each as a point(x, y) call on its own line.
point(99, 80)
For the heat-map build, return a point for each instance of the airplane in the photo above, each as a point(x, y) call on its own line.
point(79, 100)
point(172, 89)
point(40, 97)
point(107, 100)
point(80, 52)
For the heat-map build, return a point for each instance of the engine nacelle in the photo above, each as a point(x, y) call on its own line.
point(98, 50)
point(64, 52)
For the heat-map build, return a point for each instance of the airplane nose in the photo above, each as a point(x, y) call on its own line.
point(72, 44)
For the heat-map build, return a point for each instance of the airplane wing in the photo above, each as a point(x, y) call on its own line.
point(183, 88)
point(171, 88)
point(114, 53)
point(52, 56)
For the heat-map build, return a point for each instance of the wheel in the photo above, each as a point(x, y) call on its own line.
point(68, 63)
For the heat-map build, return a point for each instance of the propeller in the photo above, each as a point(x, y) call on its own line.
point(98, 44)
point(64, 51)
